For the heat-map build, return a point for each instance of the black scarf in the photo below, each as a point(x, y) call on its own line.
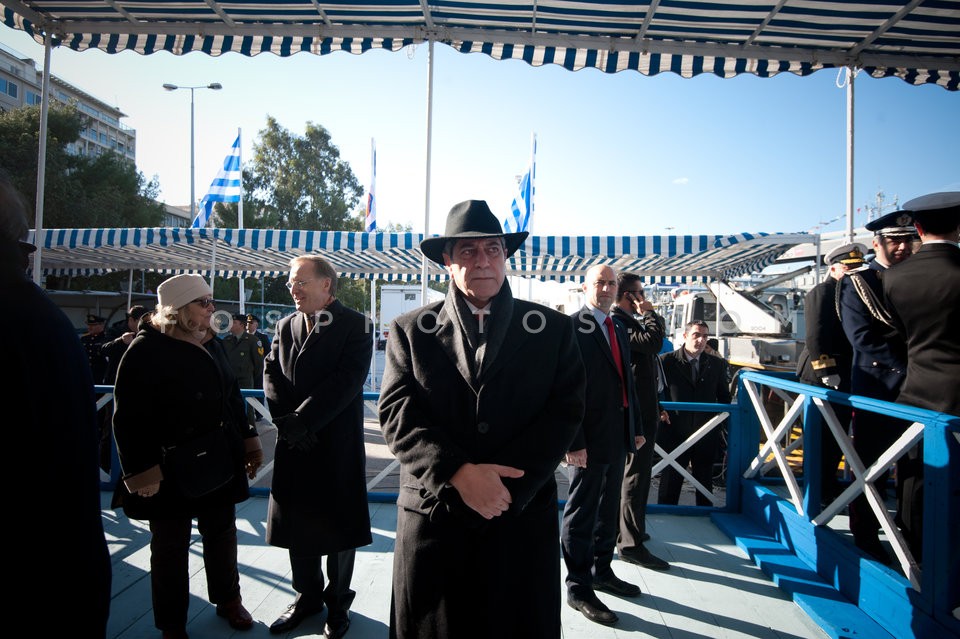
point(485, 345)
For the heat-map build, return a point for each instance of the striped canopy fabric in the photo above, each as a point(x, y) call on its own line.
point(917, 41)
point(664, 259)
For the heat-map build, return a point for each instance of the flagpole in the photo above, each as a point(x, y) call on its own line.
point(533, 190)
point(533, 180)
point(226, 187)
point(370, 225)
point(370, 220)
point(242, 291)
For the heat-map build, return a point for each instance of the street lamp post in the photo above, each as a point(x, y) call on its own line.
point(216, 86)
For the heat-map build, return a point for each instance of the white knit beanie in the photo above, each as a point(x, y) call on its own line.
point(180, 290)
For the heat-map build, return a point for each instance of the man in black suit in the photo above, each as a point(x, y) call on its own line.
point(645, 329)
point(692, 376)
point(481, 397)
point(611, 428)
point(879, 361)
point(923, 296)
point(313, 381)
point(54, 411)
point(826, 357)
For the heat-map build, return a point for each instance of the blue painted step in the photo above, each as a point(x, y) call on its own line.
point(835, 614)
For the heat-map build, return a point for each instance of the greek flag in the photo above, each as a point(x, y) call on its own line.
point(370, 221)
point(226, 187)
point(521, 211)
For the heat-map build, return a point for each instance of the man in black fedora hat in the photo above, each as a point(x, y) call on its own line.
point(54, 411)
point(481, 397)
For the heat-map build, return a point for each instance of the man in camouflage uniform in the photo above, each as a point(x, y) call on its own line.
point(253, 326)
point(244, 355)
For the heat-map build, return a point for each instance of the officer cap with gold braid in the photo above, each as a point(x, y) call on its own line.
point(850, 255)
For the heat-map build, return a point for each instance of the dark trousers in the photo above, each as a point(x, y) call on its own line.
point(910, 499)
point(636, 491)
point(830, 455)
point(590, 522)
point(700, 457)
point(872, 435)
point(169, 557)
point(308, 579)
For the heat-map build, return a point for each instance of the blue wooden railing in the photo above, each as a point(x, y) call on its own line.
point(920, 602)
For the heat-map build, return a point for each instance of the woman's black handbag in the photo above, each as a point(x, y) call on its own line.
point(201, 465)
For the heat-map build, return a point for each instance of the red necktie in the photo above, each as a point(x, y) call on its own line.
point(615, 347)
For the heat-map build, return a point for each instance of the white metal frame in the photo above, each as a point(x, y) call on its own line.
point(862, 478)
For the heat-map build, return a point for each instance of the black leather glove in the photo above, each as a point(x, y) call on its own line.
point(293, 431)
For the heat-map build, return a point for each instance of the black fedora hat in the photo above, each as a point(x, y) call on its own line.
point(466, 220)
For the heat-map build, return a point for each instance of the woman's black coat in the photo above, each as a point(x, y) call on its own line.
point(168, 391)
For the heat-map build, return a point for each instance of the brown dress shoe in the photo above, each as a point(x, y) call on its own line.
point(235, 614)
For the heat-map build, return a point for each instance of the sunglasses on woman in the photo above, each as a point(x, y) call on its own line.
point(203, 301)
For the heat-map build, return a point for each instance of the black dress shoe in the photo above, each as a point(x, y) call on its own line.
point(593, 609)
point(643, 557)
point(337, 625)
point(616, 586)
point(295, 613)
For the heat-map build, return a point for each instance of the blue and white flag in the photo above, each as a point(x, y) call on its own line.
point(226, 187)
point(521, 211)
point(370, 220)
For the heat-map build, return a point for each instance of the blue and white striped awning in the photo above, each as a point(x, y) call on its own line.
point(917, 41)
point(396, 256)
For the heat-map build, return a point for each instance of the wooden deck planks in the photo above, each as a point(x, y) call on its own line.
point(711, 591)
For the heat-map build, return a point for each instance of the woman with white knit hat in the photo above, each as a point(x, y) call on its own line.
point(175, 392)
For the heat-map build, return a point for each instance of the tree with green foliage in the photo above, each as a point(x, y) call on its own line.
point(297, 182)
point(79, 191)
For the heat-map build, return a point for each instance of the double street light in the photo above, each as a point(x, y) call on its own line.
point(216, 86)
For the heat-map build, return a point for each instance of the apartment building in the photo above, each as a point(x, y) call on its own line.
point(20, 84)
point(176, 216)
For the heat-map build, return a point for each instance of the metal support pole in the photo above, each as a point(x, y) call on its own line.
point(851, 74)
point(42, 158)
point(426, 197)
point(193, 173)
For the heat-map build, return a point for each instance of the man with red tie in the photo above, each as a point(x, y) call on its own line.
point(611, 428)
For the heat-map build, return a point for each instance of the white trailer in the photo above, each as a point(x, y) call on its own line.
point(395, 300)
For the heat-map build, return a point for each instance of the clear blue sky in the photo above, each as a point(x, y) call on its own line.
point(617, 154)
